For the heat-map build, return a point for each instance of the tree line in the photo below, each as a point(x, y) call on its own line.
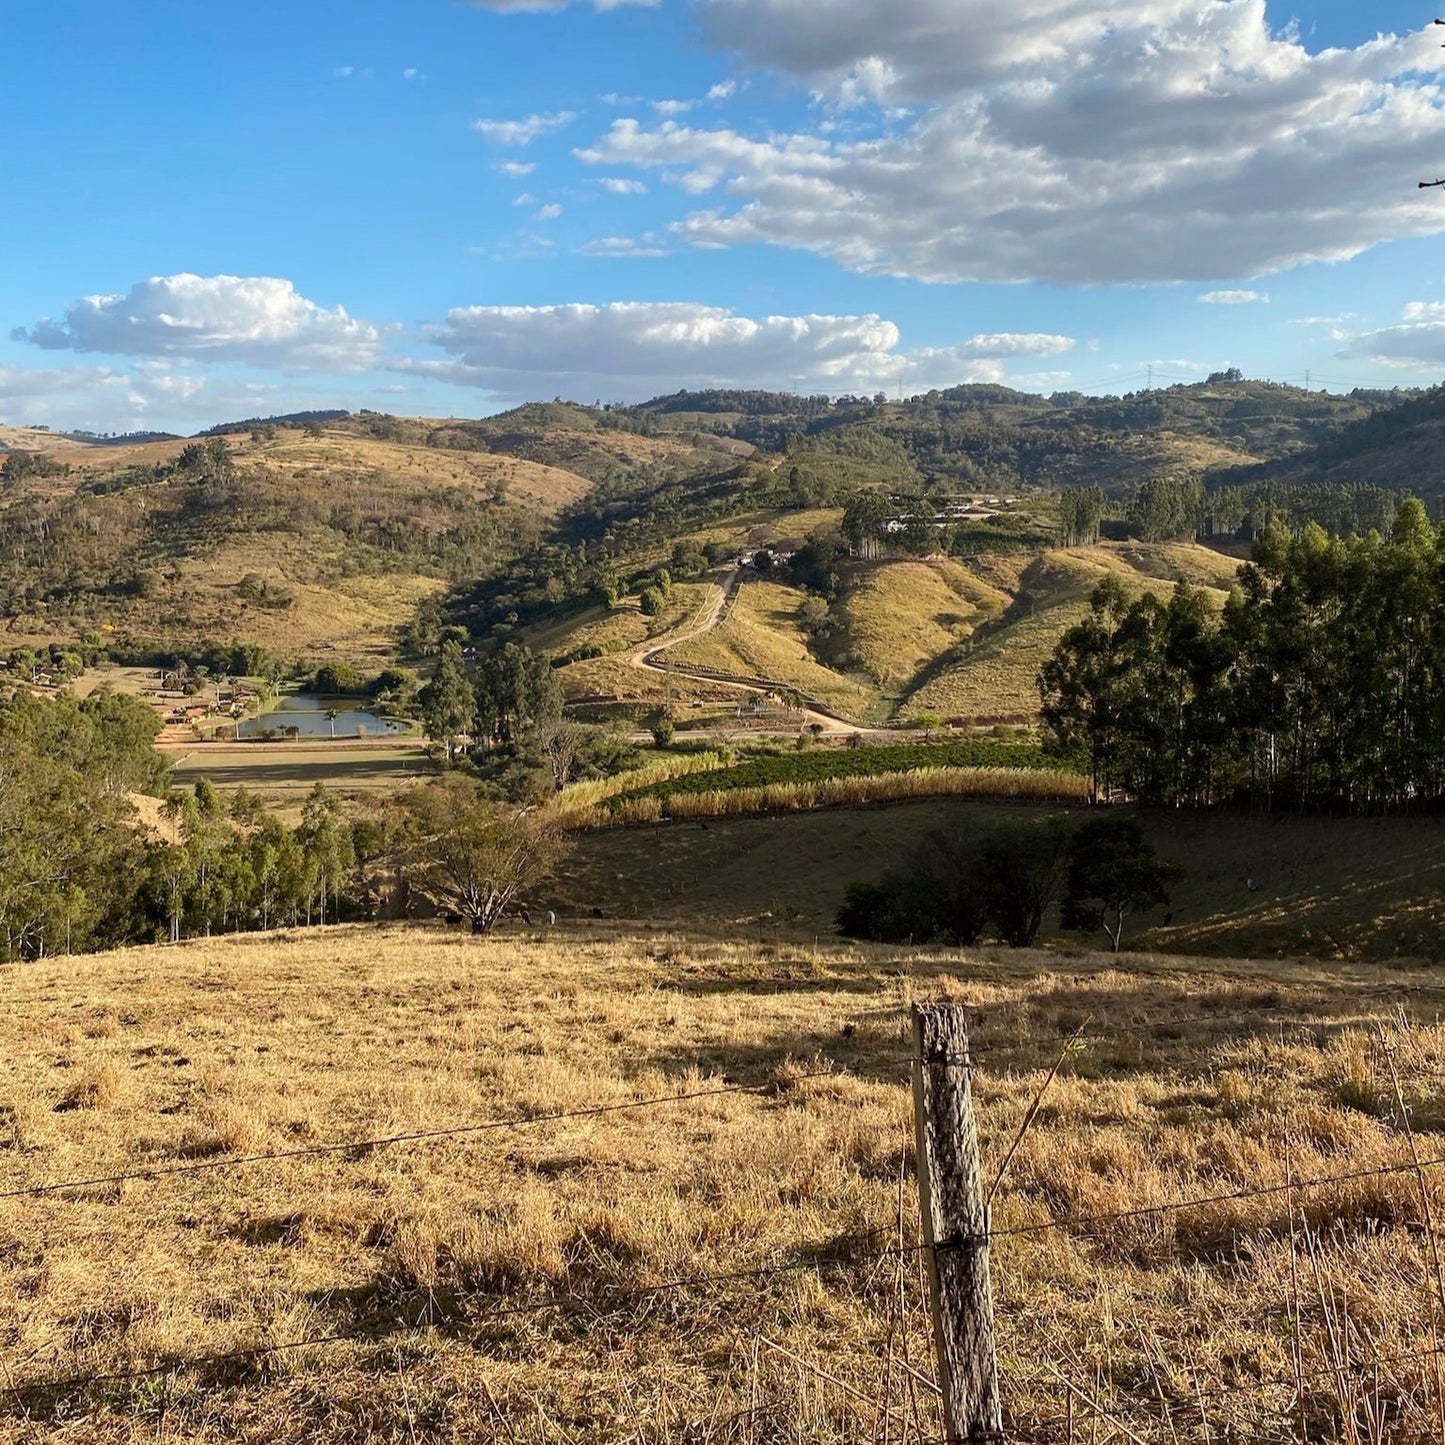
point(1322, 683)
point(963, 884)
point(87, 863)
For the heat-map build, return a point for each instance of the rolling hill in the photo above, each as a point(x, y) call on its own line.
point(330, 534)
point(303, 540)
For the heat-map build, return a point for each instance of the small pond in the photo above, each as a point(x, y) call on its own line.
point(307, 714)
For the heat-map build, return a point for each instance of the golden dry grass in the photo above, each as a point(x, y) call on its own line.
point(901, 615)
point(1014, 784)
point(1189, 1081)
point(766, 528)
point(763, 636)
point(998, 677)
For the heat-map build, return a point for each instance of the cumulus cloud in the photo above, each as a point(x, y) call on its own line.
point(1068, 141)
point(516, 168)
point(251, 320)
point(523, 132)
point(622, 186)
point(631, 350)
point(1231, 298)
point(549, 212)
point(1417, 342)
point(149, 396)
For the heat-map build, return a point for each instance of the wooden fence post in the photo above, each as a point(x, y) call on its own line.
point(955, 1226)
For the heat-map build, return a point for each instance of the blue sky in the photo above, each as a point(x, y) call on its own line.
point(442, 207)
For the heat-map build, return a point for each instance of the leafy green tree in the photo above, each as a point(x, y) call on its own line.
point(1021, 874)
point(865, 517)
point(663, 728)
point(325, 840)
point(1115, 872)
point(448, 703)
point(336, 679)
point(518, 692)
point(1081, 510)
point(1083, 688)
point(469, 855)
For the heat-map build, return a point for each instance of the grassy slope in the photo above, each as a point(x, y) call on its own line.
point(1348, 888)
point(345, 599)
point(898, 616)
point(211, 1050)
point(764, 637)
point(997, 677)
point(906, 622)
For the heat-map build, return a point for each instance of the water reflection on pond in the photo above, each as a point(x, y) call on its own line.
point(304, 715)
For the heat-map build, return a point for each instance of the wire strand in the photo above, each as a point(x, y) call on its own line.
point(349, 1146)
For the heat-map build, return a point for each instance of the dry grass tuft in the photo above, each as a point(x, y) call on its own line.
point(100, 1085)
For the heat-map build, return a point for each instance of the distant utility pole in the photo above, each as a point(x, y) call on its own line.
point(1307, 378)
point(1426, 185)
point(1150, 386)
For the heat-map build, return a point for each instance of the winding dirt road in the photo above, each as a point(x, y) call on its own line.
point(648, 656)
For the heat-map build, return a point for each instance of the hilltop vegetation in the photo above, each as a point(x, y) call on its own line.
point(300, 539)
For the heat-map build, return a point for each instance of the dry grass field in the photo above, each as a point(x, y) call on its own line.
point(737, 1265)
point(284, 772)
point(1344, 888)
point(764, 637)
point(901, 615)
point(998, 676)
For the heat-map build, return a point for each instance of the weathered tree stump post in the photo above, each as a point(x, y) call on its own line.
point(955, 1226)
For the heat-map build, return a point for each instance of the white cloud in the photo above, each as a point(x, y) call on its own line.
point(629, 247)
point(723, 90)
point(673, 107)
point(549, 212)
point(622, 186)
point(103, 399)
point(1012, 343)
point(525, 199)
point(1418, 342)
point(523, 132)
point(252, 320)
point(524, 7)
point(412, 73)
point(516, 168)
point(1068, 141)
point(631, 350)
point(1231, 298)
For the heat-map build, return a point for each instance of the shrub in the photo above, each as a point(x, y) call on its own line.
point(664, 729)
point(957, 886)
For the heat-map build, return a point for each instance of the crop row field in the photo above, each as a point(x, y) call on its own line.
point(827, 765)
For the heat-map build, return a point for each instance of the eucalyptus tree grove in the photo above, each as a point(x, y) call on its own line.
point(1322, 682)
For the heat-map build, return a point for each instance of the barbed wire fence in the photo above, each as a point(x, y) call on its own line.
point(971, 1396)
